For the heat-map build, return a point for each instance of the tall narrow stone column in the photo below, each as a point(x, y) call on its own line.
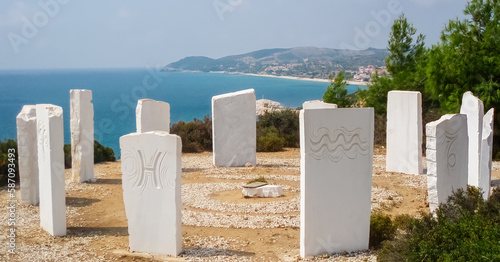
point(49, 121)
point(82, 135)
point(486, 153)
point(27, 152)
point(474, 109)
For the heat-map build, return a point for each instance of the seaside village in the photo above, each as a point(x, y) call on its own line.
point(336, 166)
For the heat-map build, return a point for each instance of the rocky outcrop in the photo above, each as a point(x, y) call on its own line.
point(266, 105)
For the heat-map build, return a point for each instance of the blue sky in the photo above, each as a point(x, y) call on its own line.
point(130, 33)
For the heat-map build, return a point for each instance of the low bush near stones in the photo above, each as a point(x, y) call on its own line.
point(101, 154)
point(5, 160)
point(196, 135)
point(466, 228)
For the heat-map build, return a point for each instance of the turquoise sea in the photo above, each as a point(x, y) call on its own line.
point(116, 91)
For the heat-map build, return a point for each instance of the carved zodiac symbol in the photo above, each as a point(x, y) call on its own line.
point(141, 170)
point(337, 143)
point(451, 153)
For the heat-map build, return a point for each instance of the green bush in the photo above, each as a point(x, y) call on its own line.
point(466, 228)
point(274, 131)
point(196, 135)
point(4, 160)
point(270, 141)
point(381, 228)
point(403, 222)
point(67, 156)
point(285, 123)
point(101, 154)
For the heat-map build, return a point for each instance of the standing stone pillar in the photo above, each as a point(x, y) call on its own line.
point(474, 109)
point(313, 104)
point(336, 160)
point(234, 129)
point(404, 132)
point(447, 158)
point(151, 168)
point(49, 121)
point(27, 152)
point(486, 154)
point(152, 115)
point(82, 135)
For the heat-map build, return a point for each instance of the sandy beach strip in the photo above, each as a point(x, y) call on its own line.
point(350, 82)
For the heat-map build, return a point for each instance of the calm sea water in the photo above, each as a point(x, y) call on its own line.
point(115, 95)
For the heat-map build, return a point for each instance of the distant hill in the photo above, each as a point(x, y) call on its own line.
point(310, 62)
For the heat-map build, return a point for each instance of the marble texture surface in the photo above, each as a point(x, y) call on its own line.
point(82, 135)
point(50, 138)
point(151, 168)
point(27, 151)
point(447, 156)
point(336, 179)
point(234, 130)
point(404, 132)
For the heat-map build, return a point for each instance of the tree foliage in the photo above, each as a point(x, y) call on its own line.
point(405, 52)
point(336, 92)
point(468, 59)
point(405, 64)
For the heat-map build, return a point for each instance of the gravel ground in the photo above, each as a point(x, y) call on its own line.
point(200, 209)
point(251, 177)
point(203, 200)
point(72, 248)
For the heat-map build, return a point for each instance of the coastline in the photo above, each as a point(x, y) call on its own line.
point(350, 82)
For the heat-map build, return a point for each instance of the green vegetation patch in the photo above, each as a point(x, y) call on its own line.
point(465, 228)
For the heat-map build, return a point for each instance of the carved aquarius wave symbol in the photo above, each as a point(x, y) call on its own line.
point(337, 144)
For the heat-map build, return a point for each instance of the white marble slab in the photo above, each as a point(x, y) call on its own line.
point(50, 137)
point(474, 109)
point(447, 156)
point(152, 115)
point(234, 130)
point(317, 104)
point(27, 155)
point(336, 179)
point(404, 132)
point(151, 168)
